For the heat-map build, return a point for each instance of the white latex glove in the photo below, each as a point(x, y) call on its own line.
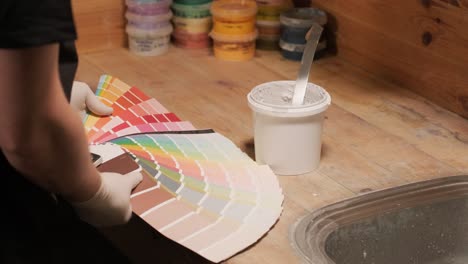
point(111, 203)
point(82, 98)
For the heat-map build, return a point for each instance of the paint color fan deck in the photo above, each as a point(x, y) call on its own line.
point(199, 189)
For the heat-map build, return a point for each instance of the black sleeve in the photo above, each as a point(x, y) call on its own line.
point(30, 23)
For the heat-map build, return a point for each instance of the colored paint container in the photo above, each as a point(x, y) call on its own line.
point(296, 22)
point(231, 17)
point(275, 2)
point(293, 51)
point(192, 2)
point(149, 8)
point(148, 19)
point(148, 42)
point(181, 43)
point(271, 12)
point(268, 42)
point(193, 25)
point(191, 41)
point(268, 28)
point(234, 47)
point(151, 26)
point(191, 11)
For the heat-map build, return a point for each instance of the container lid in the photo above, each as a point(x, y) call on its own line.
point(192, 2)
point(275, 2)
point(132, 16)
point(181, 34)
point(303, 17)
point(230, 8)
point(148, 4)
point(186, 7)
point(143, 32)
point(234, 38)
point(192, 21)
point(268, 23)
point(141, 2)
point(275, 99)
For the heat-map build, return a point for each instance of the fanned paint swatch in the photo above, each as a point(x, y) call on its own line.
point(131, 108)
point(199, 189)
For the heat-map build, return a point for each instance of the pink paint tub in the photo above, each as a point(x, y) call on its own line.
point(191, 41)
point(149, 8)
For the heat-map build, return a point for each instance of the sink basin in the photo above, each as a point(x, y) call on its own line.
point(419, 223)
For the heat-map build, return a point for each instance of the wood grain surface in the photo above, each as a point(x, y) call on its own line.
point(377, 134)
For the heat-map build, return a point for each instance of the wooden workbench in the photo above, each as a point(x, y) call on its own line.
point(376, 134)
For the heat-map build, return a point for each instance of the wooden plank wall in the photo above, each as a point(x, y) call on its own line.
point(418, 44)
point(100, 24)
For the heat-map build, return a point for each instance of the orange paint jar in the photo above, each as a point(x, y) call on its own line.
point(231, 17)
point(234, 47)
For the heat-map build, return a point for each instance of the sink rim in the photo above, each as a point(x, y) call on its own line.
point(323, 221)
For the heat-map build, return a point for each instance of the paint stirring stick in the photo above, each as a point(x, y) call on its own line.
point(307, 58)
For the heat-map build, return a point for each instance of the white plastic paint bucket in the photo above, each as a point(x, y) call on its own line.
point(288, 138)
point(149, 42)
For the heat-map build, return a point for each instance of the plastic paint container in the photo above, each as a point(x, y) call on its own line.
point(191, 41)
point(193, 25)
point(287, 138)
point(268, 28)
point(146, 42)
point(294, 51)
point(181, 43)
point(154, 26)
point(233, 17)
point(275, 2)
point(192, 2)
point(296, 22)
point(271, 12)
point(294, 26)
point(268, 42)
point(192, 11)
point(149, 8)
point(182, 34)
point(148, 19)
point(234, 47)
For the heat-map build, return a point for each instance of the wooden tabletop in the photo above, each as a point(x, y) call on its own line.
point(376, 134)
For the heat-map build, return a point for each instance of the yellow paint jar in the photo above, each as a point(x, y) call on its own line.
point(234, 47)
point(233, 17)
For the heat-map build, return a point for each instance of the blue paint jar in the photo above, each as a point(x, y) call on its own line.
point(294, 26)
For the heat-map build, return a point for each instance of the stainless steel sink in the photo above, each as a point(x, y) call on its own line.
point(419, 223)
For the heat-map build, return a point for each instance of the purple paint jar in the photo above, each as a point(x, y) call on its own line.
point(149, 8)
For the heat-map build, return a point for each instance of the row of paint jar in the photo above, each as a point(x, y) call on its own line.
point(295, 23)
point(192, 23)
point(268, 22)
point(148, 26)
point(234, 31)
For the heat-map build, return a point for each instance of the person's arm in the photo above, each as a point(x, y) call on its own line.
point(44, 139)
point(41, 135)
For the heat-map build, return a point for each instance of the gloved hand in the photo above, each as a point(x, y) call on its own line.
point(82, 97)
point(111, 203)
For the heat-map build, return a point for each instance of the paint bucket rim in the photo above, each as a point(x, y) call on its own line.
point(288, 110)
point(303, 17)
